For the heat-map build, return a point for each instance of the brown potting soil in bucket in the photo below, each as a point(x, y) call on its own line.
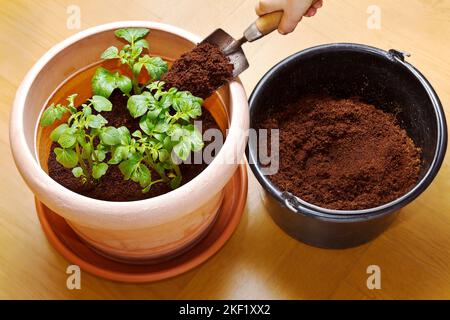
point(342, 154)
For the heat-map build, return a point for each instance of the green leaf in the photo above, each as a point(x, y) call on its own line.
point(96, 121)
point(100, 152)
point(155, 66)
point(156, 86)
point(137, 68)
point(86, 152)
point(110, 53)
point(71, 100)
point(175, 182)
point(138, 105)
point(132, 34)
point(110, 136)
point(51, 114)
point(187, 105)
point(80, 135)
point(129, 166)
point(147, 125)
point(56, 133)
point(119, 154)
point(167, 98)
point(193, 110)
point(182, 149)
point(142, 44)
point(141, 175)
point(196, 139)
point(161, 126)
point(124, 132)
point(189, 139)
point(177, 132)
point(67, 139)
point(100, 103)
point(125, 137)
point(103, 82)
point(136, 52)
point(168, 143)
point(159, 136)
point(77, 172)
point(87, 111)
point(147, 188)
point(164, 155)
point(137, 134)
point(153, 113)
point(123, 83)
point(154, 154)
point(99, 170)
point(159, 167)
point(66, 157)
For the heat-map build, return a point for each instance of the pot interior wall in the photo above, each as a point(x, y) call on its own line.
point(341, 73)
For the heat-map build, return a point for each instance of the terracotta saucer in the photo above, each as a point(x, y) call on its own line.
point(69, 245)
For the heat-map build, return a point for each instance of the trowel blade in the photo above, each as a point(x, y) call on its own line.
point(224, 41)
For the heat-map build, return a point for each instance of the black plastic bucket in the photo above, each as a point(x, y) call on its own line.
point(381, 78)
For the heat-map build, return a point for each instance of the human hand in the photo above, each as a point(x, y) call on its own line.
point(293, 11)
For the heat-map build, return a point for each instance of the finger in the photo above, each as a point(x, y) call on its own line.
point(266, 6)
point(311, 12)
point(318, 4)
point(287, 24)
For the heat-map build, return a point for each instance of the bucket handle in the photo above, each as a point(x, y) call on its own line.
point(399, 55)
point(290, 201)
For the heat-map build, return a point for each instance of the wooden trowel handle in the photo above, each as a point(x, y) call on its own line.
point(269, 22)
point(263, 26)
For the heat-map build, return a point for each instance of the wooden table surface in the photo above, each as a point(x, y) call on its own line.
point(260, 261)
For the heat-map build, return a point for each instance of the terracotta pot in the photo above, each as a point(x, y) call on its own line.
point(135, 230)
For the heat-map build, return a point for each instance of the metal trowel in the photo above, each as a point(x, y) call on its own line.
point(232, 47)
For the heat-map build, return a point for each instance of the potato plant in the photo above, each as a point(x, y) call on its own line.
point(88, 146)
point(77, 150)
point(167, 131)
point(104, 82)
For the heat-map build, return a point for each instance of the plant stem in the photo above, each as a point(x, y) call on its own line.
point(82, 163)
point(91, 142)
point(134, 77)
point(177, 170)
point(136, 88)
point(90, 164)
point(174, 118)
point(151, 164)
point(147, 83)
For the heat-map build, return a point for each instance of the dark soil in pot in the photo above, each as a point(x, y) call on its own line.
point(342, 154)
point(112, 186)
point(200, 71)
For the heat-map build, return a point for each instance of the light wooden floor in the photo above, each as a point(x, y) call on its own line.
point(259, 261)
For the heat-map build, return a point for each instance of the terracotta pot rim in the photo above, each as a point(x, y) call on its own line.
point(49, 191)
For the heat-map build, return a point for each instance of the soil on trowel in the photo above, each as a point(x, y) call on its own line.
point(201, 71)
